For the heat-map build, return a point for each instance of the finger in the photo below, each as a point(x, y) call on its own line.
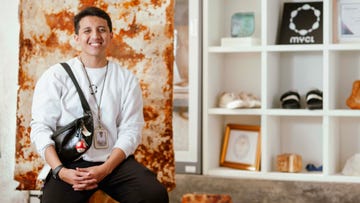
point(80, 187)
point(86, 182)
point(82, 169)
point(83, 186)
point(90, 187)
point(82, 173)
point(81, 178)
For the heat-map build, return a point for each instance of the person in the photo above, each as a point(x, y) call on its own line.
point(115, 98)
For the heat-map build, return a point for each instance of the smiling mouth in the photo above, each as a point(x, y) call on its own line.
point(95, 44)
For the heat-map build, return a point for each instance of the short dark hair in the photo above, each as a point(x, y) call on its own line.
point(91, 11)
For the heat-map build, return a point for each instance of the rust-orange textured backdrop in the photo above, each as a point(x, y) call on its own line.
point(143, 42)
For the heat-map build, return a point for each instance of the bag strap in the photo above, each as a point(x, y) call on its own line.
point(84, 103)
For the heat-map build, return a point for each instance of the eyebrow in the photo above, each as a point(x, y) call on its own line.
point(89, 27)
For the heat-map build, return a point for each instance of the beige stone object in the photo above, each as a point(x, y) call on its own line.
point(289, 163)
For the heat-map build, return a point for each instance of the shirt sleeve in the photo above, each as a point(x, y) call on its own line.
point(45, 110)
point(131, 119)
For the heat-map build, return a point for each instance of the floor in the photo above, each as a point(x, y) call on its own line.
point(267, 191)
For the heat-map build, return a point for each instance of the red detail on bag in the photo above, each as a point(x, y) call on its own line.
point(81, 146)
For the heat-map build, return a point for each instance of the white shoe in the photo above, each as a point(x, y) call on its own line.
point(230, 101)
point(250, 100)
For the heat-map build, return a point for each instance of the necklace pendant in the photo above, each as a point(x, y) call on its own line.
point(101, 140)
point(93, 89)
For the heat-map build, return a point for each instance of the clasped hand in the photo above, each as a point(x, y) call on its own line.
point(83, 178)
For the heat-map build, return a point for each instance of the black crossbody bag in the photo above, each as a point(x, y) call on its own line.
point(74, 139)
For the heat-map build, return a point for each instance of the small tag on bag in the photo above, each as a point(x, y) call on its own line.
point(85, 131)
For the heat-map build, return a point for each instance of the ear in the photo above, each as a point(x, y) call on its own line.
point(76, 38)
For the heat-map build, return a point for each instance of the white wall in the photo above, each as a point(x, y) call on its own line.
point(9, 63)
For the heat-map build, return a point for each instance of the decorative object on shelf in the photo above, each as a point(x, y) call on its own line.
point(353, 101)
point(239, 41)
point(242, 24)
point(290, 100)
point(314, 99)
point(348, 20)
point(231, 100)
point(352, 166)
point(301, 23)
point(289, 162)
point(241, 147)
point(251, 101)
point(242, 29)
point(312, 167)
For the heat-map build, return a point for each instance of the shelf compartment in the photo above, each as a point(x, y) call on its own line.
point(214, 141)
point(299, 135)
point(297, 71)
point(343, 71)
point(274, 15)
point(233, 72)
point(344, 141)
point(218, 19)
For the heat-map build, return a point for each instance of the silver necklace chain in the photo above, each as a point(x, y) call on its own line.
point(93, 92)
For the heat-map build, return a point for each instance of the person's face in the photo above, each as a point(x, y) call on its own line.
point(94, 36)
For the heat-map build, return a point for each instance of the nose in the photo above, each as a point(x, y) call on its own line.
point(95, 34)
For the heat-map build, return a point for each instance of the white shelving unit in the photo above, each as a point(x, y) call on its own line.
point(325, 137)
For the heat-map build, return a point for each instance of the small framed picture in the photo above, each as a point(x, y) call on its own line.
point(302, 23)
point(349, 20)
point(241, 147)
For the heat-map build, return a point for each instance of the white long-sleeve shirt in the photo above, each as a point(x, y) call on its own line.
point(56, 103)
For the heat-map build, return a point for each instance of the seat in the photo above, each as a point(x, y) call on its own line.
point(100, 196)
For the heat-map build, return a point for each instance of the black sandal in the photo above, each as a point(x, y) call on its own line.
point(314, 99)
point(290, 100)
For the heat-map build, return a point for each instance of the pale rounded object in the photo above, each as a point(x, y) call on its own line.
point(230, 100)
point(352, 166)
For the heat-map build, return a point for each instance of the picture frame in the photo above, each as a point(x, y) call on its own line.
point(301, 23)
point(241, 147)
point(348, 27)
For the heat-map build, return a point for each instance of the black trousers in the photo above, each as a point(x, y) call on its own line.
point(130, 182)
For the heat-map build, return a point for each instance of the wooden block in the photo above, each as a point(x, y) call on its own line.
point(289, 163)
point(206, 198)
point(100, 196)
